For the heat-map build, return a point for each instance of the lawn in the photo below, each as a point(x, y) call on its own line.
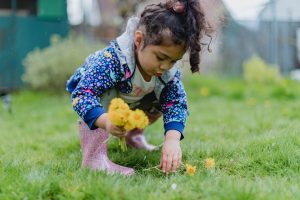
point(252, 132)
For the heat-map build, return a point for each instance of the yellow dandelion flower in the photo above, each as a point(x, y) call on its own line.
point(138, 119)
point(124, 107)
point(191, 170)
point(204, 91)
point(209, 163)
point(126, 114)
point(135, 115)
point(129, 126)
point(120, 114)
point(145, 121)
point(116, 118)
point(117, 104)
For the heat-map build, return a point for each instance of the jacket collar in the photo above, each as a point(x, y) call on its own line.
point(126, 44)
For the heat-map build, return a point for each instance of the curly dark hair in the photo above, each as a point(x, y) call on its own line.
point(184, 25)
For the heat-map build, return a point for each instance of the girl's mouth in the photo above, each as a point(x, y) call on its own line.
point(158, 74)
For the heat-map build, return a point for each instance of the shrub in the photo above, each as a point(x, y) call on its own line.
point(286, 89)
point(50, 68)
point(257, 70)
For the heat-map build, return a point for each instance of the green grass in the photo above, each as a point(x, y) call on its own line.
point(252, 132)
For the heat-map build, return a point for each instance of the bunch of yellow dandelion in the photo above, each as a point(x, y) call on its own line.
point(209, 163)
point(120, 115)
point(118, 112)
point(191, 170)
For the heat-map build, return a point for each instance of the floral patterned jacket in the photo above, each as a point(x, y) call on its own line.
point(113, 67)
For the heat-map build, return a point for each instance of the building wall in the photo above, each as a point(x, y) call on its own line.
point(20, 33)
point(285, 10)
point(278, 30)
point(286, 50)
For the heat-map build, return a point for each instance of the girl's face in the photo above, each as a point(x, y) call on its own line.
point(154, 60)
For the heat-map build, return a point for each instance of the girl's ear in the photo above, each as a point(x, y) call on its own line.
point(138, 38)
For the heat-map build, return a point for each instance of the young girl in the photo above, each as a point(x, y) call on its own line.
point(140, 67)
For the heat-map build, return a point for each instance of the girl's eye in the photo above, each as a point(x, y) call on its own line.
point(159, 58)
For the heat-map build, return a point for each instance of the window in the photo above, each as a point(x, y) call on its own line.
point(5, 7)
point(27, 7)
point(23, 7)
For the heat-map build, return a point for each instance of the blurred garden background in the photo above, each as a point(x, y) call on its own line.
point(244, 105)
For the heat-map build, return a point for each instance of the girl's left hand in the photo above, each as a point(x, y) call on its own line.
point(171, 152)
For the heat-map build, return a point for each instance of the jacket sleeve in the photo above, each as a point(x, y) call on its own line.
point(173, 103)
point(102, 72)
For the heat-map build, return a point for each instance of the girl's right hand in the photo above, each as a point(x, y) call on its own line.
point(104, 123)
point(114, 130)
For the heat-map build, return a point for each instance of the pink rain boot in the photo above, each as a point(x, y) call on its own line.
point(94, 151)
point(136, 138)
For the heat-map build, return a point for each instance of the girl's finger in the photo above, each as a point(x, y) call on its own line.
point(164, 163)
point(119, 131)
point(179, 160)
point(169, 163)
point(175, 163)
point(120, 128)
point(117, 134)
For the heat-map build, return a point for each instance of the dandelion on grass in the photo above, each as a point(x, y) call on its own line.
point(204, 91)
point(120, 115)
point(191, 170)
point(209, 163)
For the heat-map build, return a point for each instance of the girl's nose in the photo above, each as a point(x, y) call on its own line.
point(164, 67)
